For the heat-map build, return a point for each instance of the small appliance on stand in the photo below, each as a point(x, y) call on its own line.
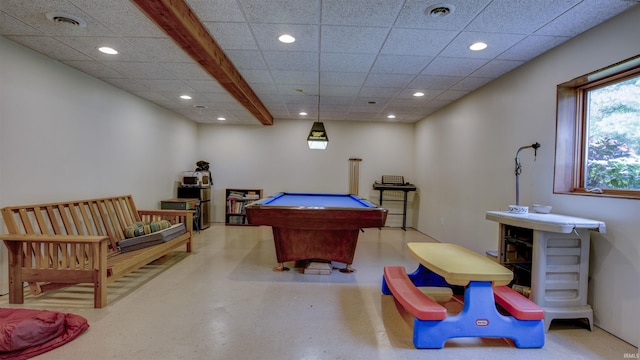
point(197, 185)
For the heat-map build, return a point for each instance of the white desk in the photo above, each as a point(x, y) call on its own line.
point(559, 259)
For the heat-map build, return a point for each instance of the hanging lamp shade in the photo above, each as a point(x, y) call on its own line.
point(318, 139)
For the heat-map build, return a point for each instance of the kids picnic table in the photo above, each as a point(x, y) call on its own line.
point(444, 264)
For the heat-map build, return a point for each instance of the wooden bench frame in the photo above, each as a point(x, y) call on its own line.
point(51, 246)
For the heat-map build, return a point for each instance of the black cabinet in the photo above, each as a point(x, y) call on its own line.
point(204, 195)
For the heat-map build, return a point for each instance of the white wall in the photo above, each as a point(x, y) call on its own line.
point(65, 135)
point(465, 166)
point(276, 158)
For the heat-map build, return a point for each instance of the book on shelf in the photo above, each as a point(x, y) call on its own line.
point(235, 194)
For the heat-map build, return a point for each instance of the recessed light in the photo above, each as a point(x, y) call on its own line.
point(477, 46)
point(391, 116)
point(108, 50)
point(418, 94)
point(302, 113)
point(185, 97)
point(286, 38)
point(221, 119)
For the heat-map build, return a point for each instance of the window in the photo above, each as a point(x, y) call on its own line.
point(598, 133)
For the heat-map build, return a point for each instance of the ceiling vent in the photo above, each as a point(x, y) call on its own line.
point(66, 19)
point(440, 10)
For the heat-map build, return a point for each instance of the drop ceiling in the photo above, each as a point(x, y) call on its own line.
point(355, 60)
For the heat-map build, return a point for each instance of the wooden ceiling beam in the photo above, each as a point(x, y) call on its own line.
point(183, 26)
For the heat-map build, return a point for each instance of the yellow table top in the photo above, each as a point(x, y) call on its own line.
point(458, 265)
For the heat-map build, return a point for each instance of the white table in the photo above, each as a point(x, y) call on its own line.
point(559, 259)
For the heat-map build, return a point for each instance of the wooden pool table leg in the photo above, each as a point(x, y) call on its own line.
point(347, 269)
point(281, 268)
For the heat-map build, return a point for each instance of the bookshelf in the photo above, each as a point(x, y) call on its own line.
point(236, 200)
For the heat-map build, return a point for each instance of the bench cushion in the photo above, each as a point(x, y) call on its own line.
point(154, 238)
point(410, 297)
point(140, 228)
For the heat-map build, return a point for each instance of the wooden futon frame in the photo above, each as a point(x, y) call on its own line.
point(56, 245)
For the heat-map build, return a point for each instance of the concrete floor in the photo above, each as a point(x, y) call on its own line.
point(224, 302)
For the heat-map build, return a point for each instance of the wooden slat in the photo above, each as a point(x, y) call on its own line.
point(87, 220)
point(96, 218)
point(62, 209)
point(101, 209)
point(61, 276)
point(117, 232)
point(134, 210)
point(119, 213)
point(24, 217)
point(52, 218)
point(76, 220)
point(128, 214)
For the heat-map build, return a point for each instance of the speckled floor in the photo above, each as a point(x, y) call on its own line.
point(224, 302)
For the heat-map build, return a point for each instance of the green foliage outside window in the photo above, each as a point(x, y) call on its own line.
point(613, 160)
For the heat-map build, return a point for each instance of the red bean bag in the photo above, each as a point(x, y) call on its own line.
point(25, 333)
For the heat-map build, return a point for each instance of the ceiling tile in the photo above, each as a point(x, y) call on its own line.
point(453, 66)
point(346, 62)
point(206, 86)
point(386, 92)
point(583, 16)
point(363, 40)
point(140, 70)
point(309, 78)
point(417, 41)
point(232, 36)
point(518, 16)
point(12, 26)
point(400, 64)
point(388, 80)
point(531, 46)
point(185, 71)
point(495, 68)
point(360, 12)
point(247, 59)
point(258, 77)
point(167, 85)
point(208, 10)
point(297, 61)
point(95, 68)
point(342, 78)
point(158, 49)
point(281, 11)
point(434, 82)
point(53, 49)
point(471, 83)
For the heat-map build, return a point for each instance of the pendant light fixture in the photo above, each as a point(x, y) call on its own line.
point(318, 139)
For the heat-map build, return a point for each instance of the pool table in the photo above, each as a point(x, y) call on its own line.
point(315, 226)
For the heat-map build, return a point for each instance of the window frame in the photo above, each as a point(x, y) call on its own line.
point(571, 128)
